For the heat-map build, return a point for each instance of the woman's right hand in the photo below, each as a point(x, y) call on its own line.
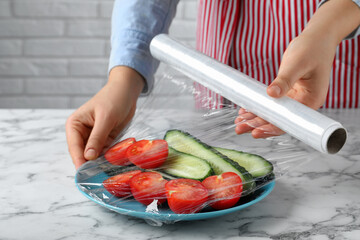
point(98, 122)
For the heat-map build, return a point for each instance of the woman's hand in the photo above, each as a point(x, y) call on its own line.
point(98, 122)
point(303, 75)
point(305, 68)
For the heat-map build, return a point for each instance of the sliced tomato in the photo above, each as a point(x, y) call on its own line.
point(148, 153)
point(186, 195)
point(119, 185)
point(224, 190)
point(117, 154)
point(148, 186)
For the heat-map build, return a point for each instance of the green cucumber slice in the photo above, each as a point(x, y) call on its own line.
point(256, 165)
point(183, 165)
point(184, 142)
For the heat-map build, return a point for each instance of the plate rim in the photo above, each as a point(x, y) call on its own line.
point(179, 217)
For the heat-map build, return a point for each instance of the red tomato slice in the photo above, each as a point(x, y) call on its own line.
point(224, 190)
point(148, 154)
point(148, 186)
point(117, 154)
point(119, 185)
point(186, 195)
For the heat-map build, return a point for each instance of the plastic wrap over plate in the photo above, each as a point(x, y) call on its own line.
point(170, 115)
point(91, 187)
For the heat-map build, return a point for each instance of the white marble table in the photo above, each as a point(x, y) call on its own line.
point(39, 200)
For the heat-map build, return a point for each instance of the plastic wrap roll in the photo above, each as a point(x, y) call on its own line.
point(298, 120)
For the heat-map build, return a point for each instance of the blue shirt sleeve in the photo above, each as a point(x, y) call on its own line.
point(134, 24)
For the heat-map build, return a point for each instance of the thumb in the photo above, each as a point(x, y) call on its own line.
point(285, 80)
point(97, 139)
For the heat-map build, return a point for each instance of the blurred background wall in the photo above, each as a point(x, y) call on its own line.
point(54, 53)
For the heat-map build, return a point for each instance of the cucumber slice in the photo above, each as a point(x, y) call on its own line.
point(183, 165)
point(256, 165)
point(184, 142)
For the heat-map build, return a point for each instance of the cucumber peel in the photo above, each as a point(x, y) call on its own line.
point(186, 143)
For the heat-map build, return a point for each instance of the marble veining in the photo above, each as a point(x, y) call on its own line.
point(314, 199)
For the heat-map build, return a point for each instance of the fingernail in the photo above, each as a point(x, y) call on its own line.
point(275, 89)
point(90, 154)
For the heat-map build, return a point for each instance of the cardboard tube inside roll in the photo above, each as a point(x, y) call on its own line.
point(309, 126)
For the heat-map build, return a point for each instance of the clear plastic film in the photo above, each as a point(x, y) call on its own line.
point(179, 160)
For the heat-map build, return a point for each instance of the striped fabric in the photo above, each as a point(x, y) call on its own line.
point(252, 36)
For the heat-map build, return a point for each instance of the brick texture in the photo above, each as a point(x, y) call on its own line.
point(64, 47)
point(89, 28)
point(63, 86)
point(33, 67)
point(10, 47)
point(89, 67)
point(54, 53)
point(34, 102)
point(55, 8)
point(106, 9)
point(5, 9)
point(10, 86)
point(31, 28)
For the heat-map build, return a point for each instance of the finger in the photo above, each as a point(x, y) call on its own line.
point(289, 73)
point(118, 129)
point(244, 117)
point(249, 125)
point(75, 140)
point(109, 141)
point(267, 130)
point(98, 136)
point(243, 128)
point(242, 111)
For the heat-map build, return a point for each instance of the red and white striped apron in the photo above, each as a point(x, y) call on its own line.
point(252, 35)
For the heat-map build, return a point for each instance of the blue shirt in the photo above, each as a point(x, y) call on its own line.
point(134, 24)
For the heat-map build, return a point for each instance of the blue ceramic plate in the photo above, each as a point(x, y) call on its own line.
point(89, 180)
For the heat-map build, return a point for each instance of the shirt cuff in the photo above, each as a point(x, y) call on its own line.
point(131, 49)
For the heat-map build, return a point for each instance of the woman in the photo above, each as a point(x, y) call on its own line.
point(248, 35)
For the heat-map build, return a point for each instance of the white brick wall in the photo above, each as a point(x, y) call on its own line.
point(5, 10)
point(55, 8)
point(31, 28)
point(65, 47)
point(54, 53)
point(10, 47)
point(30, 67)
